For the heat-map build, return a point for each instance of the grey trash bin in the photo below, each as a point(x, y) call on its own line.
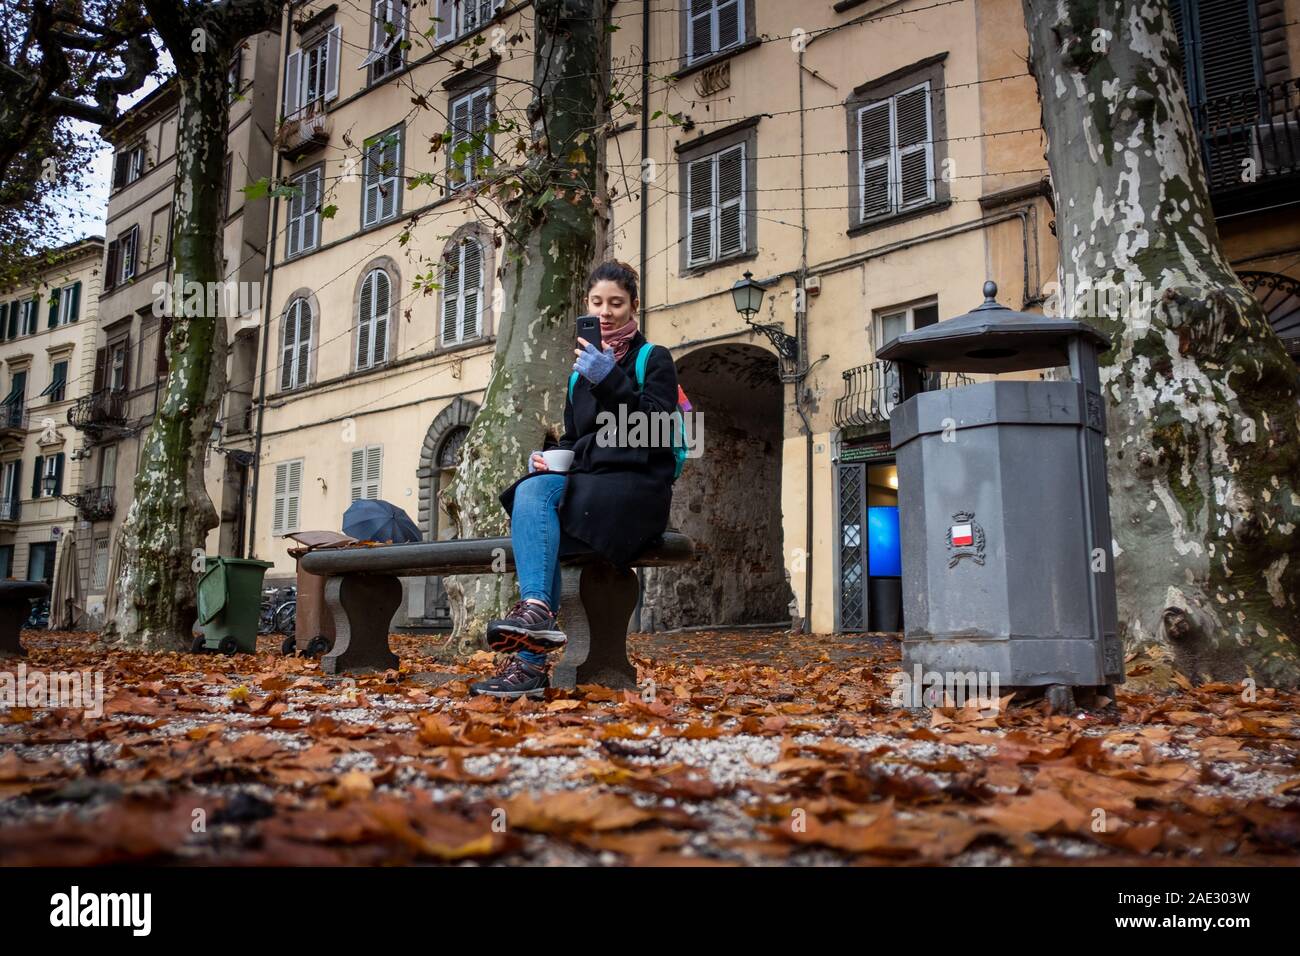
point(1007, 564)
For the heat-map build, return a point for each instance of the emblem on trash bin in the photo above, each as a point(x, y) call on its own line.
point(965, 539)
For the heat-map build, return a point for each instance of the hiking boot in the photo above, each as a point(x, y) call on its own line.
point(515, 678)
point(528, 627)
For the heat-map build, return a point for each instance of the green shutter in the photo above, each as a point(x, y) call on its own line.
point(4, 321)
point(58, 474)
point(76, 302)
point(13, 319)
point(54, 309)
point(36, 476)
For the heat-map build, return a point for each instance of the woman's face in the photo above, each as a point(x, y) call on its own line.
point(610, 301)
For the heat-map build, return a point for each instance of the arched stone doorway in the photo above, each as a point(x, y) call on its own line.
point(728, 499)
point(438, 460)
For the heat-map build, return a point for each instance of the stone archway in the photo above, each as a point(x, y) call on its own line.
point(428, 598)
point(728, 499)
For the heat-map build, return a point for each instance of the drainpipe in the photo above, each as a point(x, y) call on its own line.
point(269, 271)
point(801, 330)
point(644, 230)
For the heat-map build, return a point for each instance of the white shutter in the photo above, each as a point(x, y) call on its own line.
point(460, 129)
point(293, 234)
point(365, 315)
point(281, 488)
point(358, 473)
point(294, 496)
point(730, 28)
point(445, 10)
point(914, 173)
point(289, 329)
point(480, 116)
point(374, 464)
point(333, 45)
point(374, 157)
point(311, 199)
point(731, 201)
point(451, 272)
point(699, 35)
point(303, 358)
point(381, 299)
point(471, 284)
point(874, 151)
point(699, 191)
point(391, 175)
point(292, 84)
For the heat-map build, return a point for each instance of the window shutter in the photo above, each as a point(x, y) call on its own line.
point(365, 315)
point(36, 476)
point(700, 210)
point(293, 84)
point(311, 209)
point(54, 309)
point(446, 13)
point(1228, 50)
point(161, 361)
point(874, 149)
point(16, 491)
point(294, 496)
point(371, 213)
point(128, 252)
point(110, 266)
point(304, 342)
point(289, 332)
point(281, 493)
point(333, 45)
point(729, 24)
point(4, 321)
point(699, 36)
point(58, 474)
point(731, 196)
point(481, 109)
point(381, 300)
point(293, 235)
point(471, 284)
point(126, 364)
point(912, 123)
point(358, 473)
point(101, 365)
point(451, 298)
point(13, 319)
point(374, 465)
point(74, 310)
point(390, 171)
point(460, 131)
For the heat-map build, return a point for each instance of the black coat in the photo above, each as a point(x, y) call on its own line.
point(617, 498)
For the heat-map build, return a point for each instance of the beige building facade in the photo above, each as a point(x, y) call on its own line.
point(48, 331)
point(869, 162)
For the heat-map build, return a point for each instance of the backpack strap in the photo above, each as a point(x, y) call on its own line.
point(573, 380)
point(642, 357)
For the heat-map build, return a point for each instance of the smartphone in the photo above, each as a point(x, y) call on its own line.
point(589, 329)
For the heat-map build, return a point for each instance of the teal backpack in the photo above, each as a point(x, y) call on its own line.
point(679, 423)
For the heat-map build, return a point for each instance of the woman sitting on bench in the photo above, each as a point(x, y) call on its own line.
point(614, 497)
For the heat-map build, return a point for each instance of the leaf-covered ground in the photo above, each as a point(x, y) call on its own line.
point(755, 747)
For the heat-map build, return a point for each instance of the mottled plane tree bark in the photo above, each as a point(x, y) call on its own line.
point(171, 513)
point(1204, 427)
point(557, 213)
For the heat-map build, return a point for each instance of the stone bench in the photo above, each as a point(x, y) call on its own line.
point(362, 593)
point(15, 606)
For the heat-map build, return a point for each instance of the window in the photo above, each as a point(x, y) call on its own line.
point(99, 565)
point(31, 309)
point(713, 26)
point(10, 493)
point(888, 325)
point(462, 292)
point(14, 307)
point(311, 77)
point(4, 320)
point(47, 468)
point(303, 232)
point(40, 562)
point(58, 381)
point(235, 75)
point(372, 319)
point(65, 307)
point(117, 378)
point(160, 235)
point(128, 166)
point(108, 466)
point(367, 470)
point(288, 497)
point(387, 37)
point(295, 356)
point(896, 133)
point(459, 17)
point(11, 409)
point(717, 205)
point(470, 116)
point(382, 196)
point(121, 265)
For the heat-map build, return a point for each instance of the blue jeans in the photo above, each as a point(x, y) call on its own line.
point(535, 537)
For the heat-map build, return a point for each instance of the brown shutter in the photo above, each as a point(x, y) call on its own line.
point(160, 364)
point(101, 366)
point(110, 266)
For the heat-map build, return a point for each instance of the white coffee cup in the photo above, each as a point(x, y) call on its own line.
point(558, 459)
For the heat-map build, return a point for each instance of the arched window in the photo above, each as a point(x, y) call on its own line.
point(372, 320)
point(462, 292)
point(295, 353)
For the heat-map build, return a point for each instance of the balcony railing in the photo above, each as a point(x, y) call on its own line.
point(1250, 137)
point(94, 504)
point(9, 509)
point(304, 131)
point(871, 391)
point(98, 411)
point(13, 416)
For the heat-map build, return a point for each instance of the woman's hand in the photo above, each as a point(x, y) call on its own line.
point(537, 463)
point(593, 365)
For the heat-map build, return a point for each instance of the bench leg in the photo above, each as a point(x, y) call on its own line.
point(362, 606)
point(13, 614)
point(595, 610)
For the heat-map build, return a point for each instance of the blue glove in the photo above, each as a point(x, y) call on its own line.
point(594, 365)
point(531, 468)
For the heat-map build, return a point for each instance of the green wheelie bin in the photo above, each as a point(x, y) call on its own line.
point(230, 603)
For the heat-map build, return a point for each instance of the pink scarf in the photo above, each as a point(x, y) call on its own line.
point(619, 339)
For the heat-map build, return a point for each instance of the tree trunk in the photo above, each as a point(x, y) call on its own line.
point(167, 524)
point(1203, 421)
point(555, 230)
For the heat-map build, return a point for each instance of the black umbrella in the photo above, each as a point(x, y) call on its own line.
point(372, 520)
